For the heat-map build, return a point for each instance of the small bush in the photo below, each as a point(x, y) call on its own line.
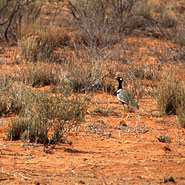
point(12, 96)
point(170, 97)
point(181, 111)
point(37, 75)
point(5, 82)
point(16, 127)
point(46, 118)
point(89, 76)
point(38, 42)
point(13, 13)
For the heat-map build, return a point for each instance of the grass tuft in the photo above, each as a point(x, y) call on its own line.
point(170, 98)
point(89, 75)
point(38, 42)
point(37, 75)
point(45, 118)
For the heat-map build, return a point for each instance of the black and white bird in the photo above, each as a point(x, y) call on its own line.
point(125, 97)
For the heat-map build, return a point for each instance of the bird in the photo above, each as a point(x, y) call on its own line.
point(125, 97)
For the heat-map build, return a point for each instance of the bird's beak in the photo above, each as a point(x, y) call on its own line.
point(116, 77)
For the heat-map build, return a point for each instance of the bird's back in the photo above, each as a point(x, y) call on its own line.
point(126, 97)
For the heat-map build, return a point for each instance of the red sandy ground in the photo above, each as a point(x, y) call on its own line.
point(110, 155)
point(113, 156)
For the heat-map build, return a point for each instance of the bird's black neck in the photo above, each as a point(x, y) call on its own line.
point(120, 85)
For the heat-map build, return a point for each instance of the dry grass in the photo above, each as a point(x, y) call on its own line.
point(181, 109)
point(39, 114)
point(37, 42)
point(45, 118)
point(170, 97)
point(87, 75)
point(13, 96)
point(37, 74)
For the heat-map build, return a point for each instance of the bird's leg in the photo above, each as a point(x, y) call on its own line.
point(124, 114)
point(128, 115)
point(128, 108)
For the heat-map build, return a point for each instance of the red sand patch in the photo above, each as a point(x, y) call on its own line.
point(122, 156)
point(103, 151)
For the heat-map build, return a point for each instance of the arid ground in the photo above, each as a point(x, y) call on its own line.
point(107, 153)
point(144, 147)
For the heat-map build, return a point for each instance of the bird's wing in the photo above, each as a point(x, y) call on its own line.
point(125, 97)
point(132, 100)
point(121, 96)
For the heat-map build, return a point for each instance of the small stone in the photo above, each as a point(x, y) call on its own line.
point(168, 179)
point(166, 148)
point(122, 123)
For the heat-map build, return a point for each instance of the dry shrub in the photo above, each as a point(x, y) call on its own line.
point(12, 96)
point(13, 13)
point(38, 42)
point(166, 13)
point(37, 75)
point(181, 112)
point(99, 23)
point(5, 86)
point(38, 112)
point(135, 77)
point(170, 97)
point(141, 16)
point(88, 75)
point(45, 118)
point(104, 23)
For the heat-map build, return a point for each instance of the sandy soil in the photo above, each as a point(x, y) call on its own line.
point(104, 151)
point(107, 149)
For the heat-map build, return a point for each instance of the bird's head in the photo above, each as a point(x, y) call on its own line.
point(119, 79)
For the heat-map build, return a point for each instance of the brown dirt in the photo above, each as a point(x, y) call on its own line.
point(111, 155)
point(103, 151)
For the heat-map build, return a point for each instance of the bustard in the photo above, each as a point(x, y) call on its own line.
point(125, 97)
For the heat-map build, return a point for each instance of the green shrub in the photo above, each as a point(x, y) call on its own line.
point(12, 95)
point(46, 118)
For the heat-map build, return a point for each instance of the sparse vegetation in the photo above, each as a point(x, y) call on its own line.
point(37, 42)
point(58, 63)
point(45, 114)
point(85, 76)
point(37, 75)
point(170, 97)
